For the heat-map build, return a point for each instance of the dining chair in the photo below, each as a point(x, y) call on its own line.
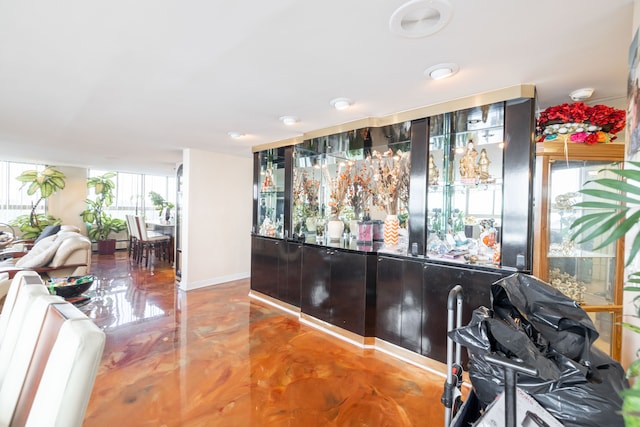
point(151, 242)
point(134, 237)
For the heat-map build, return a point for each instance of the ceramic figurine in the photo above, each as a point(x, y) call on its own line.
point(433, 171)
point(468, 162)
point(483, 166)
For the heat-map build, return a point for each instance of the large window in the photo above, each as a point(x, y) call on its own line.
point(132, 193)
point(14, 200)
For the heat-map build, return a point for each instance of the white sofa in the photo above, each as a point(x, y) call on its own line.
point(67, 253)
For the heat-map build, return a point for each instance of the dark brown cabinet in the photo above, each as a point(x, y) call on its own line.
point(465, 201)
point(338, 287)
point(411, 301)
point(438, 280)
point(399, 302)
point(275, 268)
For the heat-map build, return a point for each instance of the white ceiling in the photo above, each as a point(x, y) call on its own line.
point(127, 85)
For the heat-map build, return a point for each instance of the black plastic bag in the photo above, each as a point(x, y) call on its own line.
point(533, 323)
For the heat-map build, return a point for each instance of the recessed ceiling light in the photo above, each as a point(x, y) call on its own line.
point(442, 71)
point(420, 18)
point(289, 120)
point(235, 135)
point(341, 103)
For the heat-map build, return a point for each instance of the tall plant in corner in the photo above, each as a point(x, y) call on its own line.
point(618, 210)
point(101, 224)
point(45, 183)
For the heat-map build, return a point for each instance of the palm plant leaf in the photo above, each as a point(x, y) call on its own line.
point(608, 195)
point(606, 224)
point(598, 205)
point(619, 231)
point(630, 174)
point(635, 247)
point(588, 221)
point(634, 369)
point(619, 185)
point(631, 327)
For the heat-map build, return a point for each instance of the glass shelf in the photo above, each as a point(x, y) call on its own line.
point(588, 274)
point(336, 179)
point(271, 193)
point(465, 185)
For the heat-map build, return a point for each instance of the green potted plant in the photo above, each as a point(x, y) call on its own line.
point(100, 223)
point(160, 203)
point(45, 183)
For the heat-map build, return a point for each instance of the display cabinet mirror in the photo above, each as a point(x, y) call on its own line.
point(465, 185)
point(345, 185)
point(271, 192)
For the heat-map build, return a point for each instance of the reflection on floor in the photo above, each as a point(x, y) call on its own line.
point(215, 357)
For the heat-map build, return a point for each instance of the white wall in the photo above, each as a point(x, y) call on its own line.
point(217, 207)
point(68, 203)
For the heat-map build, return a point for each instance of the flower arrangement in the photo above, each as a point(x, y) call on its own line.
point(360, 191)
point(339, 189)
point(305, 192)
point(391, 179)
point(580, 123)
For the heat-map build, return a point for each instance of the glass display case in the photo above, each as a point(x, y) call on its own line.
point(271, 193)
point(465, 185)
point(590, 276)
point(346, 184)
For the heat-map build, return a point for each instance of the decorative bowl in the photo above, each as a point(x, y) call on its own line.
point(69, 287)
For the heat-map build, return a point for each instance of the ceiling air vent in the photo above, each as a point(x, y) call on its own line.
point(420, 18)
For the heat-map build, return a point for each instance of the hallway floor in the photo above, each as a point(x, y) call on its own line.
point(215, 357)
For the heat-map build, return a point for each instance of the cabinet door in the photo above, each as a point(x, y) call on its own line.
point(438, 280)
point(348, 291)
point(294, 274)
point(264, 266)
point(315, 297)
point(479, 185)
point(282, 253)
point(269, 200)
point(412, 299)
point(389, 300)
point(465, 184)
point(579, 269)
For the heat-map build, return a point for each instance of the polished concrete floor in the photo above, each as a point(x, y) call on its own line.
point(215, 357)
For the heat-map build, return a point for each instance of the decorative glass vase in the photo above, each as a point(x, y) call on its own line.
point(353, 227)
point(311, 224)
point(391, 226)
point(335, 227)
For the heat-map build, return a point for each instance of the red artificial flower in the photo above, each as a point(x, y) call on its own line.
point(608, 119)
point(591, 139)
